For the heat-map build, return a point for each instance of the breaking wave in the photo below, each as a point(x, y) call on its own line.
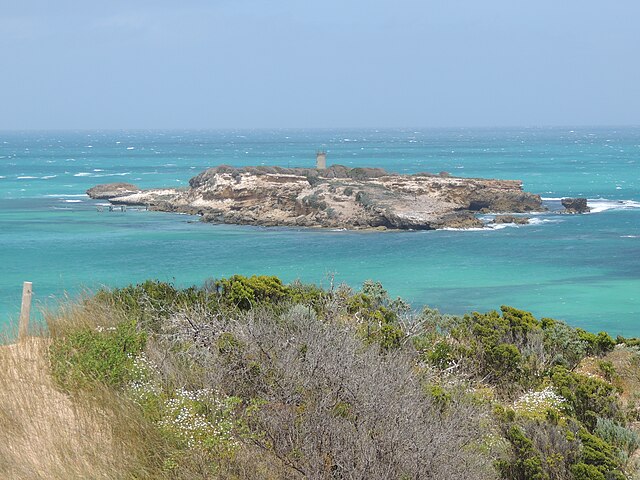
point(602, 205)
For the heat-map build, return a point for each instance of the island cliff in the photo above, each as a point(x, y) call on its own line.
point(337, 197)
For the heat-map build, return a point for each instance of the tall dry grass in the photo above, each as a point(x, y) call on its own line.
point(48, 434)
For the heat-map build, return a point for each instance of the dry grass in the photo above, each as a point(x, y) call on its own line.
point(48, 434)
point(43, 434)
point(625, 361)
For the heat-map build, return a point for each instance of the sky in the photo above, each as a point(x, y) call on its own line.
point(147, 64)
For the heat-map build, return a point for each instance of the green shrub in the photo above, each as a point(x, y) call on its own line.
point(307, 294)
point(621, 437)
point(582, 471)
point(104, 355)
point(629, 342)
point(600, 454)
point(607, 369)
point(587, 397)
point(441, 397)
point(597, 344)
point(441, 355)
point(527, 463)
point(389, 337)
point(563, 343)
point(151, 302)
point(246, 292)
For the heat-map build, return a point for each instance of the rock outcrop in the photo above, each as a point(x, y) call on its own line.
point(112, 190)
point(511, 219)
point(338, 197)
point(575, 205)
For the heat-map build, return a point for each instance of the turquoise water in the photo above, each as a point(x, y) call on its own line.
point(583, 269)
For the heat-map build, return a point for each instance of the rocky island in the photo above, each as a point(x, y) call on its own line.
point(335, 197)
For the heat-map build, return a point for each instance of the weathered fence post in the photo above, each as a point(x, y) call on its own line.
point(25, 310)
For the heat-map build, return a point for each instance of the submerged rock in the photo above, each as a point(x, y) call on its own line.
point(575, 205)
point(338, 197)
point(511, 219)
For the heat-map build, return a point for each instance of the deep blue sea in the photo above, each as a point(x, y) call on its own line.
point(583, 269)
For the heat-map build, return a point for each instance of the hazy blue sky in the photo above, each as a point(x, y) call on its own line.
point(308, 63)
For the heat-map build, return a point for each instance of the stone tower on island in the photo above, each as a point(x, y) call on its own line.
point(321, 160)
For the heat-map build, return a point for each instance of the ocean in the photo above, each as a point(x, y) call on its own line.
point(583, 269)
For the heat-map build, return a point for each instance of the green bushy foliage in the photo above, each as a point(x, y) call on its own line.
point(378, 315)
point(626, 440)
point(306, 294)
point(600, 454)
point(607, 369)
point(549, 450)
point(587, 398)
point(104, 355)
point(500, 344)
point(441, 355)
point(247, 292)
point(232, 359)
point(597, 344)
point(151, 302)
point(527, 463)
point(629, 342)
point(582, 471)
point(563, 344)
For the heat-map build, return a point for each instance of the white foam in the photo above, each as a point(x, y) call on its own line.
point(551, 199)
point(2, 176)
point(72, 201)
point(449, 229)
point(26, 177)
point(540, 221)
point(629, 236)
point(47, 177)
point(131, 148)
point(486, 228)
point(65, 195)
point(82, 174)
point(598, 205)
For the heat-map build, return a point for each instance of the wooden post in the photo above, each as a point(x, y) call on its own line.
point(25, 310)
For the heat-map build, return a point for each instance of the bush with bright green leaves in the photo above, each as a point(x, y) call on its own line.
point(248, 292)
point(90, 355)
point(378, 315)
point(587, 398)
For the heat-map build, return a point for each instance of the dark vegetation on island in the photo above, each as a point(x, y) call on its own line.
point(249, 378)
